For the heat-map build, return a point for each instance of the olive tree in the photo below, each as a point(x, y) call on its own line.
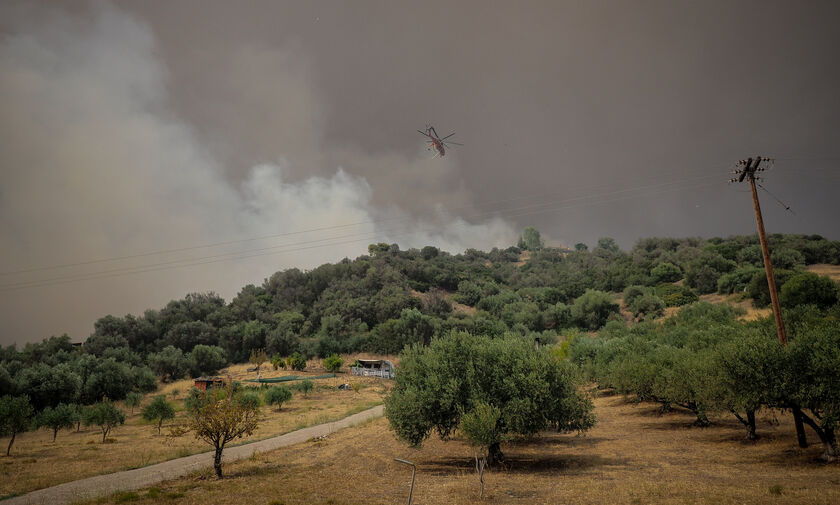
point(132, 400)
point(258, 357)
point(438, 385)
point(479, 427)
point(159, 410)
point(811, 381)
point(105, 415)
point(745, 371)
point(277, 395)
point(56, 418)
point(15, 417)
point(218, 418)
point(305, 386)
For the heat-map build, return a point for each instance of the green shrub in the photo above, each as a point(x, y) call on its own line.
point(469, 293)
point(632, 292)
point(333, 363)
point(296, 362)
point(737, 281)
point(277, 395)
point(808, 288)
point(648, 305)
point(250, 400)
point(592, 309)
point(277, 362)
point(305, 386)
point(557, 316)
point(675, 296)
point(666, 272)
point(759, 290)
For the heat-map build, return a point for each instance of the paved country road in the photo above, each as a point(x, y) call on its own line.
point(100, 485)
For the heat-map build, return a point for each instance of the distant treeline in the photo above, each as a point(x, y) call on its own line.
point(387, 299)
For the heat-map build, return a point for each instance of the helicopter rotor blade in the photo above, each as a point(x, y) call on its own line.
point(446, 137)
point(452, 144)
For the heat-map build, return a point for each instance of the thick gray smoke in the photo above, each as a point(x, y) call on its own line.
point(95, 165)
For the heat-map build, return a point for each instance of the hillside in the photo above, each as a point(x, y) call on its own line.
point(381, 302)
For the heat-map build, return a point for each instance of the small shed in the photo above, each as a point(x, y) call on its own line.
point(204, 383)
point(374, 368)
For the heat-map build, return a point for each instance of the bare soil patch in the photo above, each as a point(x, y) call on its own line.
point(524, 256)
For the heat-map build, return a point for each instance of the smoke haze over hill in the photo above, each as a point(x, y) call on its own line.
point(135, 128)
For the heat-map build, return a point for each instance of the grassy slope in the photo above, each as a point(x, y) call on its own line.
point(37, 462)
point(831, 271)
point(632, 456)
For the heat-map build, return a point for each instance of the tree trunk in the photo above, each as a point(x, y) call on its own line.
point(751, 425)
point(479, 468)
point(494, 454)
point(827, 437)
point(800, 428)
point(749, 422)
point(832, 452)
point(159, 425)
point(217, 461)
point(9, 449)
point(55, 432)
point(702, 420)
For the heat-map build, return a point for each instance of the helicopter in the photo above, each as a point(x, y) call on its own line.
point(436, 142)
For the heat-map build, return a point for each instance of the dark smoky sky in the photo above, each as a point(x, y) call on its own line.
point(283, 134)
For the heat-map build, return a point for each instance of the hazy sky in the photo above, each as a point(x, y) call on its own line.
point(283, 134)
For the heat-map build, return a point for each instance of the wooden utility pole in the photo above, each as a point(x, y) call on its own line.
point(751, 166)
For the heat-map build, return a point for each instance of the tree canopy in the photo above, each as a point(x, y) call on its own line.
point(159, 410)
point(220, 417)
point(455, 375)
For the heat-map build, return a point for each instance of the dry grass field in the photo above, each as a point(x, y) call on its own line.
point(751, 313)
point(632, 456)
point(830, 271)
point(37, 462)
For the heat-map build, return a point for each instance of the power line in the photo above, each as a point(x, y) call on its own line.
point(299, 232)
point(306, 245)
point(783, 204)
point(292, 233)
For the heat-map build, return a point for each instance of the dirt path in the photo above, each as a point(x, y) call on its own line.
point(100, 485)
